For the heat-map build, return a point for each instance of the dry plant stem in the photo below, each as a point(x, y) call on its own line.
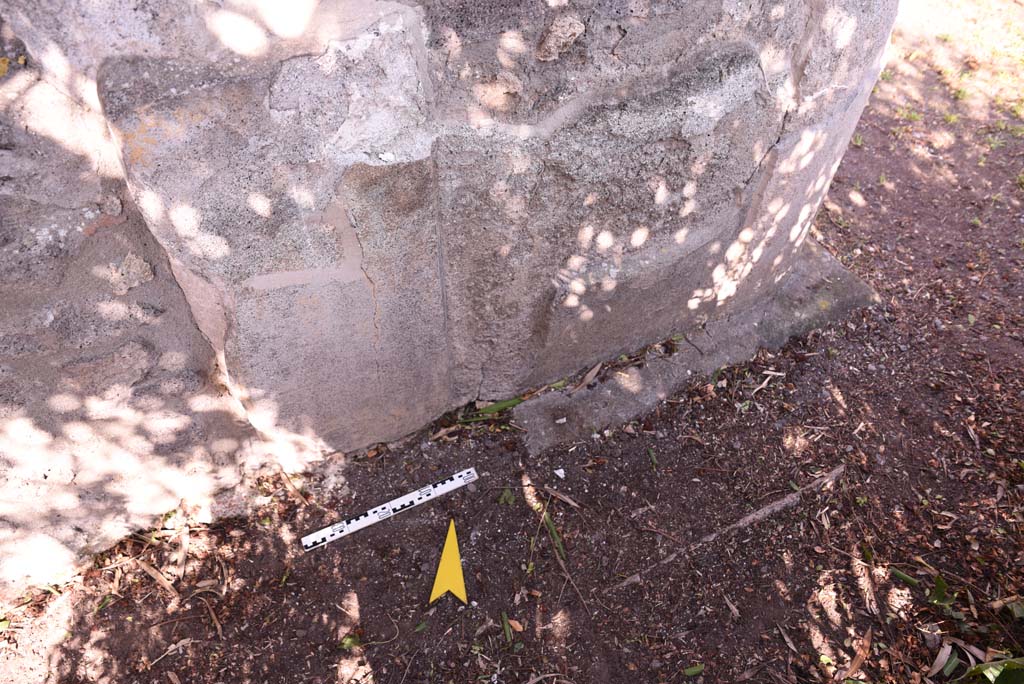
point(757, 516)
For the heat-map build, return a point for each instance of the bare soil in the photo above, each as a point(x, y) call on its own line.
point(921, 398)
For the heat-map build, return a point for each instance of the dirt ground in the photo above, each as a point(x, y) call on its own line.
point(906, 567)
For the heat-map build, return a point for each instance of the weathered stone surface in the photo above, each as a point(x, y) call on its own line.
point(298, 224)
point(378, 211)
point(110, 415)
point(817, 290)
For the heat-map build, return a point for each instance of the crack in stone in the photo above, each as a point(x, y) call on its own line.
point(771, 148)
point(442, 278)
point(480, 385)
point(373, 297)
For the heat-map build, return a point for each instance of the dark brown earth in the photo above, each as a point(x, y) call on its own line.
point(920, 398)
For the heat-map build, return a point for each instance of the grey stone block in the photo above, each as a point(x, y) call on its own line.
point(110, 411)
point(816, 291)
point(379, 211)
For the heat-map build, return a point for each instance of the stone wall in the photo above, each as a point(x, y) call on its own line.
point(111, 414)
point(378, 211)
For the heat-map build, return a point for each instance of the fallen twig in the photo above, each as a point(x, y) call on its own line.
point(290, 486)
point(173, 620)
point(387, 641)
point(173, 648)
point(690, 342)
point(409, 666)
point(564, 498)
point(540, 678)
point(757, 516)
point(782, 504)
point(213, 616)
point(732, 608)
point(663, 533)
point(751, 672)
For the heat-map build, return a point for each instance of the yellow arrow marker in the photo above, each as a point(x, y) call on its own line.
point(449, 570)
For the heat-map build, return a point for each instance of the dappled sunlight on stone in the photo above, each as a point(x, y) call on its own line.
point(238, 33)
point(186, 221)
point(584, 238)
point(629, 380)
point(43, 110)
point(639, 236)
point(107, 452)
point(302, 197)
point(287, 20)
point(512, 41)
point(260, 204)
point(379, 214)
point(605, 240)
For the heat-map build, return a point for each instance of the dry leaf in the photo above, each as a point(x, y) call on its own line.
point(863, 650)
point(515, 625)
point(970, 650)
point(941, 658)
point(789, 642)
point(484, 627)
point(587, 379)
point(1000, 603)
point(732, 608)
point(181, 557)
point(564, 498)
point(749, 674)
point(160, 579)
point(444, 432)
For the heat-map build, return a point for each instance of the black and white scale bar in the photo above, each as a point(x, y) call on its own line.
point(384, 511)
